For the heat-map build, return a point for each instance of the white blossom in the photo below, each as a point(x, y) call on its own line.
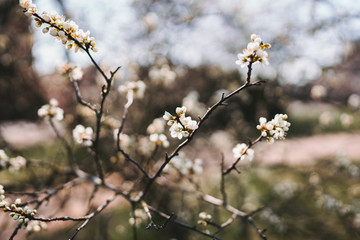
point(204, 218)
point(140, 216)
point(157, 126)
point(180, 125)
point(36, 226)
point(254, 52)
point(83, 135)
point(65, 31)
point(162, 75)
point(276, 129)
point(243, 152)
point(51, 111)
point(73, 73)
point(136, 88)
point(12, 164)
point(192, 104)
point(184, 165)
point(159, 139)
point(318, 92)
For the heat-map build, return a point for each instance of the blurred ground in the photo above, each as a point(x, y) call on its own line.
point(294, 151)
point(306, 150)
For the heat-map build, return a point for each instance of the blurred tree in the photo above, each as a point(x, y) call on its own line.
point(20, 91)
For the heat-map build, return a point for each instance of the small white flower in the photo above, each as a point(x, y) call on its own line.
point(157, 126)
point(184, 165)
point(254, 52)
point(180, 111)
point(51, 111)
point(136, 87)
point(180, 125)
point(17, 201)
point(83, 135)
point(163, 75)
point(159, 139)
point(275, 129)
point(243, 152)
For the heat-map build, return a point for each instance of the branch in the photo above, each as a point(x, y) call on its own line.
point(238, 213)
point(201, 121)
point(127, 156)
point(93, 214)
point(80, 99)
point(181, 224)
point(67, 147)
point(233, 166)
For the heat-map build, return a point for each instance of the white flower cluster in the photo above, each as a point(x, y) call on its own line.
point(3, 203)
point(156, 131)
point(29, 6)
point(204, 218)
point(83, 135)
point(184, 165)
point(159, 140)
point(162, 75)
point(13, 164)
point(66, 31)
point(126, 141)
point(181, 126)
point(157, 126)
point(243, 152)
point(140, 216)
point(17, 213)
point(254, 52)
point(275, 129)
point(134, 88)
point(193, 105)
point(36, 226)
point(73, 73)
point(51, 111)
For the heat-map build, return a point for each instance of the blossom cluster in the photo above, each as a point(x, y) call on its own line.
point(254, 52)
point(51, 111)
point(242, 151)
point(180, 125)
point(13, 164)
point(204, 218)
point(64, 30)
point(17, 213)
point(157, 126)
point(35, 226)
point(184, 165)
point(159, 139)
point(73, 73)
point(274, 129)
point(156, 131)
point(134, 88)
point(83, 135)
point(193, 105)
point(139, 216)
point(162, 75)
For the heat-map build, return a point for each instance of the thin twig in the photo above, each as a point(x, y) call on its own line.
point(222, 184)
point(15, 231)
point(181, 224)
point(122, 151)
point(201, 121)
point(80, 99)
point(133, 208)
point(233, 166)
point(91, 215)
point(66, 145)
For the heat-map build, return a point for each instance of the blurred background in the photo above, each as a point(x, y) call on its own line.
point(185, 52)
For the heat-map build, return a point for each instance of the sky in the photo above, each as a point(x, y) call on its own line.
point(221, 30)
